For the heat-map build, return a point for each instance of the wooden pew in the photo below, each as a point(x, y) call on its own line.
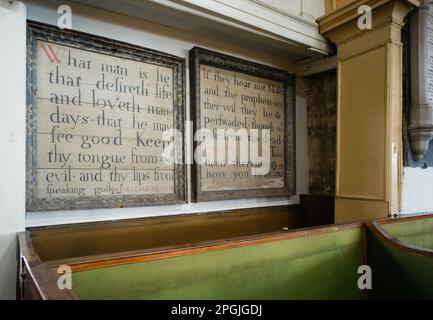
point(314, 263)
point(400, 253)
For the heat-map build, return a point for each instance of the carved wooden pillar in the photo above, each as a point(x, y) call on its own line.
point(369, 112)
point(421, 66)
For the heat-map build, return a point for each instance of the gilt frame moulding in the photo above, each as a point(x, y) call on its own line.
point(37, 31)
point(199, 56)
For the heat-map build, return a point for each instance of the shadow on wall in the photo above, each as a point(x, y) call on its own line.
point(8, 262)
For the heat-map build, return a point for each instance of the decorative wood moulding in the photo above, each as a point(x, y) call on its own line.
point(332, 5)
point(421, 66)
point(369, 112)
point(383, 11)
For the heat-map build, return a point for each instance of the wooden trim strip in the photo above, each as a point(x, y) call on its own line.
point(43, 278)
point(365, 255)
point(396, 243)
point(405, 218)
point(26, 247)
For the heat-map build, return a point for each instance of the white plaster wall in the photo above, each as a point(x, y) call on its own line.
point(176, 42)
point(417, 195)
point(12, 139)
point(309, 8)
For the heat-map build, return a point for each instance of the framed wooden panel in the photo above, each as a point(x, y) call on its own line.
point(96, 113)
point(231, 93)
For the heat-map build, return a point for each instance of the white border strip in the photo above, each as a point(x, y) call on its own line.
point(37, 219)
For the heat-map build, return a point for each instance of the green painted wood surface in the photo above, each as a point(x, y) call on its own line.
point(398, 274)
point(415, 232)
point(315, 267)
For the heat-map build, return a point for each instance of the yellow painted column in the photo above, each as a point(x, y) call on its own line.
point(369, 112)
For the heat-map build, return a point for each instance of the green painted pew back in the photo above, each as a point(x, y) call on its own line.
point(318, 266)
point(400, 272)
point(418, 232)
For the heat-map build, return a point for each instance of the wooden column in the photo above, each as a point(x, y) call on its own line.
point(369, 112)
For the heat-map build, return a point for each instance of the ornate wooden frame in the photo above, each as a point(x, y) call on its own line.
point(199, 55)
point(38, 31)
